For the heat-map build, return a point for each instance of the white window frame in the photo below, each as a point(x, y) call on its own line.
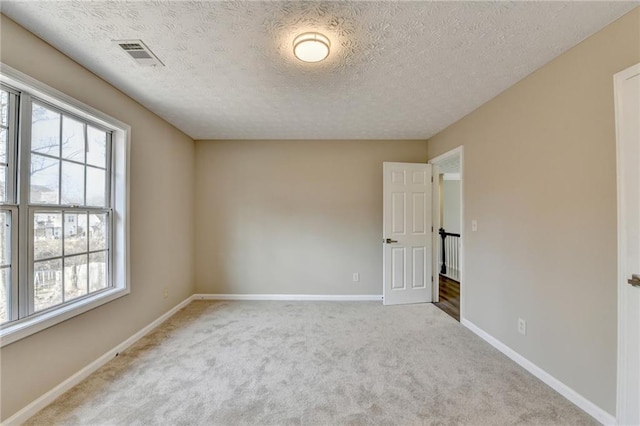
point(119, 265)
point(11, 205)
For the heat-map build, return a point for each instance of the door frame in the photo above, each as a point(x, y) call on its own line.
point(623, 375)
point(458, 151)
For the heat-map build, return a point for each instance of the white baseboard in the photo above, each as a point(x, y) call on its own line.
point(580, 401)
point(292, 297)
point(24, 414)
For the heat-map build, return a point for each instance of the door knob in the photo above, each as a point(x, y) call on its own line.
point(389, 241)
point(635, 280)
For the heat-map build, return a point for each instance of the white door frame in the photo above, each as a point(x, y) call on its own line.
point(459, 151)
point(623, 410)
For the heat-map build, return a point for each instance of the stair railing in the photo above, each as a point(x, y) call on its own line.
point(449, 251)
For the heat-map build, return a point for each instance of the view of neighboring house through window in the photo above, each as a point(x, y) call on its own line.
point(68, 168)
point(64, 199)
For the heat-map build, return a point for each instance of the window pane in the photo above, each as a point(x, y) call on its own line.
point(5, 291)
point(4, 108)
point(47, 235)
point(72, 183)
point(75, 276)
point(96, 187)
point(3, 145)
point(96, 147)
point(5, 238)
point(72, 139)
point(3, 183)
point(45, 131)
point(44, 180)
point(97, 271)
point(97, 232)
point(75, 233)
point(47, 284)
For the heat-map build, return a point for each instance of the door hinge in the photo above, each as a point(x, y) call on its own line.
point(431, 278)
point(431, 179)
point(432, 229)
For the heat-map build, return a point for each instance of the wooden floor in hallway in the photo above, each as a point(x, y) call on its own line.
point(449, 297)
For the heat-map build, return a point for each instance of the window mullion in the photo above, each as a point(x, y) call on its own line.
point(112, 202)
point(86, 153)
point(25, 286)
point(14, 308)
point(88, 215)
point(60, 161)
point(12, 148)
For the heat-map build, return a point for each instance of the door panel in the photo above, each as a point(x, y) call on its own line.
point(419, 260)
point(398, 266)
point(419, 203)
point(407, 227)
point(398, 216)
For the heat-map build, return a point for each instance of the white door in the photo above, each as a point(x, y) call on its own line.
point(627, 91)
point(406, 233)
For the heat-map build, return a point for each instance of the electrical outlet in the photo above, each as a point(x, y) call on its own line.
point(165, 292)
point(474, 225)
point(522, 326)
point(356, 277)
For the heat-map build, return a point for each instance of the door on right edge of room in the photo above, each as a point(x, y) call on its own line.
point(628, 145)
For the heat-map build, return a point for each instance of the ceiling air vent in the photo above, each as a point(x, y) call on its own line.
point(139, 52)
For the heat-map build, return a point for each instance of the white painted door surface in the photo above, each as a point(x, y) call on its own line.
point(406, 233)
point(627, 85)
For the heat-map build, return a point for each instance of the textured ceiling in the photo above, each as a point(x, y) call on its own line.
point(450, 165)
point(397, 70)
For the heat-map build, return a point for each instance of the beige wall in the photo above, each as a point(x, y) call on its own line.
point(162, 229)
point(540, 178)
point(451, 206)
point(296, 217)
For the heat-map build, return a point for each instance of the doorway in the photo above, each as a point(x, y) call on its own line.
point(448, 236)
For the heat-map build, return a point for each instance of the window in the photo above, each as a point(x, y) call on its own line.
point(63, 199)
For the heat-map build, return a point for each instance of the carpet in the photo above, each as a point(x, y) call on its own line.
point(310, 363)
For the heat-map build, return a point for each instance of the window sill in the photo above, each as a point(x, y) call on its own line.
point(13, 332)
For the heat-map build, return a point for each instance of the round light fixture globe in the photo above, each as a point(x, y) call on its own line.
point(311, 47)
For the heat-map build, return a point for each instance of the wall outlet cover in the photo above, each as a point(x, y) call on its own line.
point(522, 326)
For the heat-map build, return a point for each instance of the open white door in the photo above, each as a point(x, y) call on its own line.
point(406, 233)
point(627, 93)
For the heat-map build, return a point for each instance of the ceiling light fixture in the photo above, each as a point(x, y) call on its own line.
point(311, 47)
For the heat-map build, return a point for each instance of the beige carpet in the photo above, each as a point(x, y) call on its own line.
point(310, 363)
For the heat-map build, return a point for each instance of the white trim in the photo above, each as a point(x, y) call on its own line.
point(435, 234)
point(439, 159)
point(623, 375)
point(451, 176)
point(580, 401)
point(30, 325)
point(452, 153)
point(293, 297)
point(27, 412)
